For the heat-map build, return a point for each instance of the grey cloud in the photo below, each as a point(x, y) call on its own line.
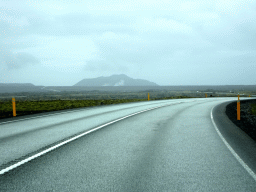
point(82, 24)
point(79, 18)
point(15, 22)
point(193, 35)
point(75, 24)
point(5, 29)
point(151, 48)
point(19, 60)
point(26, 58)
point(105, 66)
point(23, 22)
point(232, 31)
point(241, 39)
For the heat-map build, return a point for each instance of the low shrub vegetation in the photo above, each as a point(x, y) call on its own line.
point(31, 107)
point(253, 109)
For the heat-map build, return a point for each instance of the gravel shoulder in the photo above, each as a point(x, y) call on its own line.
point(248, 120)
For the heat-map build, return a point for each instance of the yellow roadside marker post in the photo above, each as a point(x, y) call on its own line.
point(13, 107)
point(148, 96)
point(205, 95)
point(238, 109)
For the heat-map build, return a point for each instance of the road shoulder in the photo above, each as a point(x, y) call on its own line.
point(241, 143)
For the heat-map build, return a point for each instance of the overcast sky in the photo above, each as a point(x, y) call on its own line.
point(169, 42)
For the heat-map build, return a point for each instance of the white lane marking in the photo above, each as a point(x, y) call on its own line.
point(247, 168)
point(72, 139)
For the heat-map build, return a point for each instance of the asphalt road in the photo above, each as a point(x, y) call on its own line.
point(178, 145)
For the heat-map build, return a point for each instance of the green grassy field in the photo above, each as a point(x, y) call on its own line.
point(31, 107)
point(253, 109)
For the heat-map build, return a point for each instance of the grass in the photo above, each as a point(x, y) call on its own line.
point(28, 107)
point(56, 104)
point(253, 109)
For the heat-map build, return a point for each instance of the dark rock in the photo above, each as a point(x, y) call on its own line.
point(247, 121)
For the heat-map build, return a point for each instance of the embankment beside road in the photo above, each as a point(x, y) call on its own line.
point(248, 119)
point(34, 107)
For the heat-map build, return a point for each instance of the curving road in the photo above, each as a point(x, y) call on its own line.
point(169, 145)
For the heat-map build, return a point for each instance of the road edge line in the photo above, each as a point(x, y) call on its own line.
point(239, 159)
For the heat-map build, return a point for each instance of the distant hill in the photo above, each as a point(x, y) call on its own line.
point(115, 80)
point(15, 84)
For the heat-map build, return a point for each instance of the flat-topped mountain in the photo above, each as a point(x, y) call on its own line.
point(15, 84)
point(115, 80)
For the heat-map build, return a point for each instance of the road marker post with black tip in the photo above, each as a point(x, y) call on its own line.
point(238, 108)
point(14, 107)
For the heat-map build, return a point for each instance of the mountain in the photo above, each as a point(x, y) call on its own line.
point(15, 84)
point(115, 80)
